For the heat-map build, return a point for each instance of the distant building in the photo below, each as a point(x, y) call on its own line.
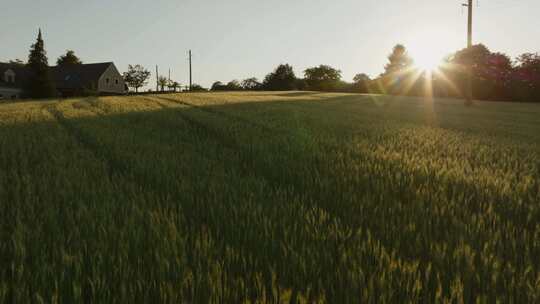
point(12, 79)
point(70, 80)
point(75, 80)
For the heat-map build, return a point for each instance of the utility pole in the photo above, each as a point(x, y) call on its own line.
point(190, 75)
point(169, 81)
point(157, 79)
point(469, 24)
point(468, 93)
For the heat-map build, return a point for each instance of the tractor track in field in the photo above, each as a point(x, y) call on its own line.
point(193, 123)
point(332, 148)
point(118, 167)
point(226, 140)
point(223, 114)
point(275, 182)
point(230, 143)
point(115, 167)
point(252, 157)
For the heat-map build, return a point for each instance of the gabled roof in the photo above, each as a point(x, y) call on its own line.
point(65, 77)
point(78, 76)
point(21, 74)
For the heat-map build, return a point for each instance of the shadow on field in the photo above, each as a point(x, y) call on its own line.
point(293, 198)
point(299, 129)
point(335, 115)
point(297, 94)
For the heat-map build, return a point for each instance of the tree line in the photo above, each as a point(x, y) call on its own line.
point(283, 78)
point(495, 76)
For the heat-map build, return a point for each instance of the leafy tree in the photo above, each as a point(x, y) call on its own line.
point(136, 77)
point(163, 82)
point(530, 61)
point(251, 84)
point(234, 85)
point(361, 82)
point(197, 88)
point(399, 60)
point(282, 78)
point(526, 77)
point(499, 67)
point(344, 86)
point(173, 85)
point(491, 72)
point(359, 78)
point(218, 86)
point(68, 59)
point(300, 84)
point(476, 55)
point(529, 68)
point(497, 76)
point(40, 84)
point(323, 78)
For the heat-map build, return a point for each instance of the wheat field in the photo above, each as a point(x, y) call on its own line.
point(293, 197)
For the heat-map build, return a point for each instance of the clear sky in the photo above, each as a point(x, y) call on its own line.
point(236, 39)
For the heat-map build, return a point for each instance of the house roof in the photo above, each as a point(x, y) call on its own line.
point(21, 74)
point(65, 77)
point(78, 76)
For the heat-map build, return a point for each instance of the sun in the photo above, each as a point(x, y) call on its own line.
point(427, 60)
point(429, 47)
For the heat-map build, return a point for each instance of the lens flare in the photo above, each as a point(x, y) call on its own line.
point(427, 59)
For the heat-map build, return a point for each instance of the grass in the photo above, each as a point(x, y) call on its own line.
point(269, 197)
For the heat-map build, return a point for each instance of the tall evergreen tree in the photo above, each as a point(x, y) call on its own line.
point(41, 84)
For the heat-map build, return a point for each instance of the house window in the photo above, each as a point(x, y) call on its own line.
point(9, 76)
point(116, 81)
point(107, 80)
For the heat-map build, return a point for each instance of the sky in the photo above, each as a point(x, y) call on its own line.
point(237, 39)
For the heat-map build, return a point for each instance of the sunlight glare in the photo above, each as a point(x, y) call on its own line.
point(428, 48)
point(427, 59)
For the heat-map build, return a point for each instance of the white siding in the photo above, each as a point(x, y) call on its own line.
point(111, 81)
